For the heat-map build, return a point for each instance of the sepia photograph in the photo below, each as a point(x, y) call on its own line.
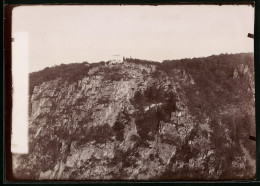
point(133, 92)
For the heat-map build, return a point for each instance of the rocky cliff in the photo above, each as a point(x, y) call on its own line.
point(140, 120)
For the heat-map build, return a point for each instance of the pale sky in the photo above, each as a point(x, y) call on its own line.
point(67, 34)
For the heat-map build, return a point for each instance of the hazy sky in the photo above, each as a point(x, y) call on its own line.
point(67, 34)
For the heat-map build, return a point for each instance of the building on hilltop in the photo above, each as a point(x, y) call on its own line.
point(116, 59)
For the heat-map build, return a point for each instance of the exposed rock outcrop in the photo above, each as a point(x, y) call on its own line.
point(134, 121)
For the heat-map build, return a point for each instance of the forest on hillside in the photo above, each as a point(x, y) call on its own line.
point(206, 70)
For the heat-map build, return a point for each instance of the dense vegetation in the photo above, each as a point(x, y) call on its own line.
point(159, 105)
point(70, 72)
point(208, 69)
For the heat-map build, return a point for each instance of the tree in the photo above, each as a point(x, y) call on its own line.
point(139, 100)
point(171, 104)
point(119, 125)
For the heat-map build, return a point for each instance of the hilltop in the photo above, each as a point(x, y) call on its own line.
point(179, 119)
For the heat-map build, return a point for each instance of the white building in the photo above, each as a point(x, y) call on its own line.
point(116, 59)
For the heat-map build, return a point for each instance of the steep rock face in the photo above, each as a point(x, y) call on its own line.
point(243, 71)
point(134, 121)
